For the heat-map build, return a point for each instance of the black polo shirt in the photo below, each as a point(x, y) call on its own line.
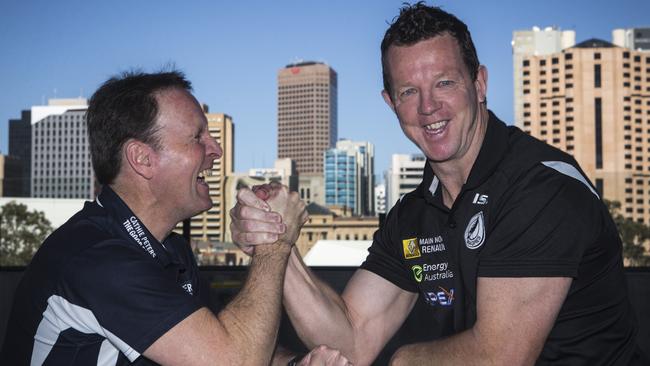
point(526, 210)
point(100, 290)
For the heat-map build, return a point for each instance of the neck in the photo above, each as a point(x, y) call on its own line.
point(146, 208)
point(453, 173)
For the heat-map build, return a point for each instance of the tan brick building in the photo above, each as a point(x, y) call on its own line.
point(210, 226)
point(307, 114)
point(593, 101)
point(333, 224)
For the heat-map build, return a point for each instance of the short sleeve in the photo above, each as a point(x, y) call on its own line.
point(542, 228)
point(132, 297)
point(384, 258)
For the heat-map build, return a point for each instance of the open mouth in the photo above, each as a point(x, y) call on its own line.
point(436, 127)
point(204, 173)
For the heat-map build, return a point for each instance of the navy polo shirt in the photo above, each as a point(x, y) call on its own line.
point(101, 290)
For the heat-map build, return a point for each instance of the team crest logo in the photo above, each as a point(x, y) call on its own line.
point(475, 231)
point(417, 273)
point(411, 248)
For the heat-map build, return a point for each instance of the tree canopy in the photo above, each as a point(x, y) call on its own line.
point(21, 233)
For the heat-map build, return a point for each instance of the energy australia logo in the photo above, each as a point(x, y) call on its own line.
point(475, 231)
point(417, 273)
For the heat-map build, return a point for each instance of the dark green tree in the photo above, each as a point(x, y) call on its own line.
point(21, 233)
point(633, 235)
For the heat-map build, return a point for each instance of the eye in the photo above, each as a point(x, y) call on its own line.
point(407, 92)
point(445, 83)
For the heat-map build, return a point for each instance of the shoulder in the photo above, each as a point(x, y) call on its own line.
point(533, 163)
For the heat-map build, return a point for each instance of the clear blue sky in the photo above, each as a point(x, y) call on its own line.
point(232, 50)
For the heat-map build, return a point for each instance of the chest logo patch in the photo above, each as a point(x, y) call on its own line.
point(417, 273)
point(475, 231)
point(411, 248)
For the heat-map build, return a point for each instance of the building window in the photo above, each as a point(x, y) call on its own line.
point(600, 186)
point(597, 80)
point(597, 56)
point(599, 132)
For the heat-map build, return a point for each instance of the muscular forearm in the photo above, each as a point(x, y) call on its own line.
point(468, 348)
point(317, 312)
point(461, 349)
point(252, 318)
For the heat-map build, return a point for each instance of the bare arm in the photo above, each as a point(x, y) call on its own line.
point(514, 317)
point(359, 322)
point(245, 331)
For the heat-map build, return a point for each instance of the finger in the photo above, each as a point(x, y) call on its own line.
point(240, 213)
point(255, 226)
point(248, 198)
point(252, 239)
point(262, 191)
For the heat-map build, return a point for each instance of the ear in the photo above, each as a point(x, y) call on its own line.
point(388, 99)
point(140, 157)
point(481, 84)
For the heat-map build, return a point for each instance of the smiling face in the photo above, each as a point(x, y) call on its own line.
point(436, 101)
point(187, 150)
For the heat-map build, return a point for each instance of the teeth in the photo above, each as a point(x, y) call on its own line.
point(205, 173)
point(436, 125)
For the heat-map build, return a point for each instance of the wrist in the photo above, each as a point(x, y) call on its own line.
point(276, 249)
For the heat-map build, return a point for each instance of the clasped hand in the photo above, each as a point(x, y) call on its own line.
point(266, 214)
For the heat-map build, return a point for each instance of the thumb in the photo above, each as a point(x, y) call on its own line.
point(247, 197)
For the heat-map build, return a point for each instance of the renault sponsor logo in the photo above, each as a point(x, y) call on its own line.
point(417, 273)
point(475, 231)
point(411, 248)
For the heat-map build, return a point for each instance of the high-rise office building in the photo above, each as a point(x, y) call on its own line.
point(20, 150)
point(593, 101)
point(10, 169)
point(60, 158)
point(636, 39)
point(403, 176)
point(380, 198)
point(209, 226)
point(307, 114)
point(349, 176)
point(534, 42)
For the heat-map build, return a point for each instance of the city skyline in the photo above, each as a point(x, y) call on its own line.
point(232, 53)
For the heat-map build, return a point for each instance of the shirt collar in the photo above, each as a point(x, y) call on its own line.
point(128, 226)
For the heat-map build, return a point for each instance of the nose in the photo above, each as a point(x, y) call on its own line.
point(213, 149)
point(428, 103)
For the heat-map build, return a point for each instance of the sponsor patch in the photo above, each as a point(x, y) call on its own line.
point(442, 297)
point(417, 273)
point(411, 248)
point(475, 231)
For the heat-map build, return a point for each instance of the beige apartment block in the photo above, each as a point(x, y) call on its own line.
point(593, 101)
point(334, 224)
point(209, 226)
point(307, 114)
